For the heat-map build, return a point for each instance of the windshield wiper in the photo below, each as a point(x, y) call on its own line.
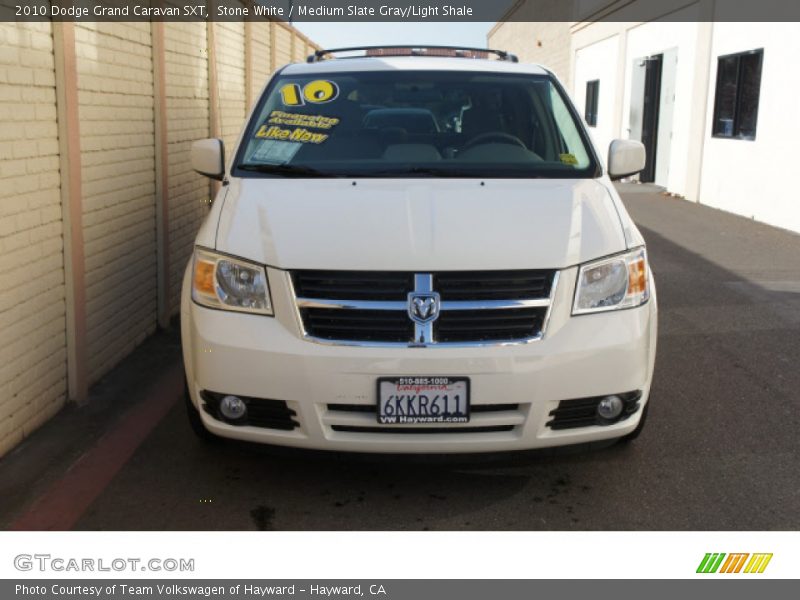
point(415, 171)
point(289, 170)
point(447, 171)
point(286, 170)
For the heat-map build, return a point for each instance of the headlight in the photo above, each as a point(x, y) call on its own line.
point(229, 283)
point(612, 283)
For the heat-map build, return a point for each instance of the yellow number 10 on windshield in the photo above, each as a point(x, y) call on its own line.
point(316, 92)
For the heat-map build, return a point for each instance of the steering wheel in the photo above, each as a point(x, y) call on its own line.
point(494, 136)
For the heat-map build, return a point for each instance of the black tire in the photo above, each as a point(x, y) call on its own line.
point(195, 422)
point(627, 439)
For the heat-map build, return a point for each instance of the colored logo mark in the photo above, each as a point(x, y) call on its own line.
point(719, 562)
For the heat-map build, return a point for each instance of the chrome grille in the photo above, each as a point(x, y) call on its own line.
point(358, 325)
point(452, 308)
point(494, 285)
point(488, 325)
point(353, 285)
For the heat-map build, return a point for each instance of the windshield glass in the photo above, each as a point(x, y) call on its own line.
point(414, 123)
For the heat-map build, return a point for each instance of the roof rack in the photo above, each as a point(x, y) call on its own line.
point(459, 51)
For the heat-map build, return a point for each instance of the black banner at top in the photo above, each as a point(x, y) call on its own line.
point(400, 10)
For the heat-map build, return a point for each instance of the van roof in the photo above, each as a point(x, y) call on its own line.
point(412, 63)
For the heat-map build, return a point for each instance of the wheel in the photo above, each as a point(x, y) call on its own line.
point(627, 439)
point(195, 422)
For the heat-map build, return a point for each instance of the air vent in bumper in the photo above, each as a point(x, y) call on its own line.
point(582, 412)
point(485, 418)
point(269, 414)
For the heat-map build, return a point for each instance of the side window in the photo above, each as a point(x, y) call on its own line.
point(737, 95)
point(592, 96)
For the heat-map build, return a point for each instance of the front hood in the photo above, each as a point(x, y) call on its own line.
point(418, 225)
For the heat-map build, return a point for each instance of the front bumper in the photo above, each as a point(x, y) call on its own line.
point(266, 357)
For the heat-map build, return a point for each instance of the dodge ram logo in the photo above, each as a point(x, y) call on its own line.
point(423, 307)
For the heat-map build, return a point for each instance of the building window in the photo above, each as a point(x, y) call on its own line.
point(738, 90)
point(592, 95)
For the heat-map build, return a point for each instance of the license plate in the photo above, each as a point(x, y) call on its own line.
point(415, 400)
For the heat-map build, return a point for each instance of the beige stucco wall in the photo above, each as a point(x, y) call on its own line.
point(230, 74)
point(116, 67)
point(547, 44)
point(32, 306)
point(115, 95)
point(283, 46)
point(187, 97)
point(260, 47)
point(539, 33)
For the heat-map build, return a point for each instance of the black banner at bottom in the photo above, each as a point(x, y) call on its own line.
point(393, 589)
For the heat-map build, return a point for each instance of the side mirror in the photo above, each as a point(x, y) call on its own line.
point(208, 158)
point(625, 158)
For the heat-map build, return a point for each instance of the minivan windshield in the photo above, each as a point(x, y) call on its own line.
point(415, 124)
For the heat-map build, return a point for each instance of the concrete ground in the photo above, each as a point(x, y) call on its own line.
point(720, 450)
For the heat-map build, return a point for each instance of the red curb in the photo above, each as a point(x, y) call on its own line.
point(60, 507)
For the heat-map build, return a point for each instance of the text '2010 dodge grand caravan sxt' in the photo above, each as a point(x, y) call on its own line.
point(417, 254)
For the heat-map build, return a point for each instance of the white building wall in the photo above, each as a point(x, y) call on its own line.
point(739, 176)
point(654, 38)
point(748, 177)
point(607, 51)
point(598, 61)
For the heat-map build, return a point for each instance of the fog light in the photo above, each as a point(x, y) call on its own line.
point(610, 407)
point(232, 408)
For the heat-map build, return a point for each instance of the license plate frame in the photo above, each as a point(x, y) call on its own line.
point(451, 410)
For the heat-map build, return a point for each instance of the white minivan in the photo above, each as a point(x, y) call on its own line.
point(413, 253)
